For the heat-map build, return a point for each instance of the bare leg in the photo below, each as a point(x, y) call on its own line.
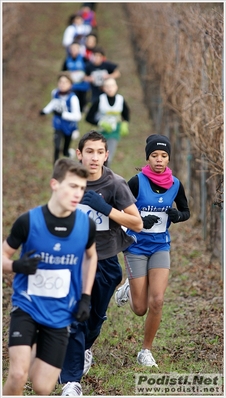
point(138, 295)
point(33, 355)
point(19, 362)
point(158, 281)
point(147, 293)
point(43, 377)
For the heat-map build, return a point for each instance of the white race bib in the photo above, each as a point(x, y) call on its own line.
point(159, 226)
point(111, 119)
point(98, 76)
point(49, 283)
point(101, 221)
point(77, 76)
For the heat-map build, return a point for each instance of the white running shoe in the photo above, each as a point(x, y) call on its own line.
point(72, 389)
point(145, 358)
point(121, 295)
point(71, 152)
point(87, 361)
point(75, 135)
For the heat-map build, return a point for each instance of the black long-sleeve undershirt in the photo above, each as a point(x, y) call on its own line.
point(57, 226)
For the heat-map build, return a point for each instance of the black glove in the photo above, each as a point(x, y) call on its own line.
point(94, 200)
point(26, 265)
point(174, 214)
point(41, 113)
point(149, 221)
point(83, 308)
point(57, 113)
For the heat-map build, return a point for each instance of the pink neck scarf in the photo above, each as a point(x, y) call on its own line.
point(164, 180)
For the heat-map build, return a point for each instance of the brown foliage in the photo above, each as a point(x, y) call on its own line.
point(179, 52)
point(183, 48)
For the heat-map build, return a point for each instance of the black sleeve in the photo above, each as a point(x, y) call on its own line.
point(92, 233)
point(88, 67)
point(182, 204)
point(180, 199)
point(86, 61)
point(125, 112)
point(134, 185)
point(91, 115)
point(111, 66)
point(64, 66)
point(19, 231)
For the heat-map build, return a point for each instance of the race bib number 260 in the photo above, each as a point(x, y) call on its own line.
point(49, 283)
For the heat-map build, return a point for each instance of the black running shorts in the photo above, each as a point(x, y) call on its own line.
point(51, 343)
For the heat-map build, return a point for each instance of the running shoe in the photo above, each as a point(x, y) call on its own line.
point(121, 294)
point(145, 358)
point(72, 389)
point(87, 361)
point(75, 135)
point(72, 153)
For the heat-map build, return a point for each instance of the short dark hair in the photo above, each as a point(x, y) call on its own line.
point(64, 165)
point(99, 49)
point(76, 41)
point(66, 74)
point(72, 17)
point(92, 135)
point(94, 34)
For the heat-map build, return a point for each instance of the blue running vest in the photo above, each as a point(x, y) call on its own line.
point(64, 125)
point(77, 64)
point(150, 202)
point(50, 296)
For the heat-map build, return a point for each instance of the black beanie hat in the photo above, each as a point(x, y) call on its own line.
point(157, 142)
